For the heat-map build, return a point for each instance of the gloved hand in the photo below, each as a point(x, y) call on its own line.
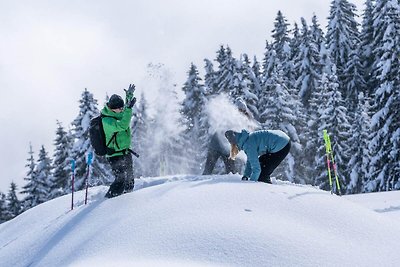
point(131, 103)
point(129, 93)
point(244, 178)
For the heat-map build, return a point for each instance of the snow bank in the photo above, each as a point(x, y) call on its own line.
point(202, 221)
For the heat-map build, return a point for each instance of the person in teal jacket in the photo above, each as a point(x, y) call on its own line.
point(116, 124)
point(265, 150)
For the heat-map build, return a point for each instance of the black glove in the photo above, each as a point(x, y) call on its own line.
point(131, 103)
point(244, 178)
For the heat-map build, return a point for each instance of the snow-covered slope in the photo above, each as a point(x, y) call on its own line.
point(204, 221)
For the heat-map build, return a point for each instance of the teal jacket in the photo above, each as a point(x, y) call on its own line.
point(118, 123)
point(258, 143)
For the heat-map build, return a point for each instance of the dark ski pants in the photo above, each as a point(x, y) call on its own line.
point(122, 168)
point(212, 158)
point(270, 161)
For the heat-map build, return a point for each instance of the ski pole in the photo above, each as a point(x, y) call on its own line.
point(328, 151)
point(89, 162)
point(72, 182)
point(336, 176)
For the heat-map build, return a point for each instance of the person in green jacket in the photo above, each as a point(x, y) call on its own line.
point(265, 150)
point(116, 124)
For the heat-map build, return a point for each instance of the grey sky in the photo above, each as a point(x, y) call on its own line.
point(51, 50)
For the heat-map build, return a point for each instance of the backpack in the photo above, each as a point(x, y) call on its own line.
point(98, 137)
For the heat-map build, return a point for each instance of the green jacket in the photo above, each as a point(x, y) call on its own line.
point(117, 123)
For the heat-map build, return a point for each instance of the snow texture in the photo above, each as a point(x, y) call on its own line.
point(207, 221)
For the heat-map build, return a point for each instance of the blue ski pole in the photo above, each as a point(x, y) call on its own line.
point(89, 162)
point(72, 182)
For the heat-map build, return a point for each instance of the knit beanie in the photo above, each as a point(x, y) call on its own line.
point(115, 102)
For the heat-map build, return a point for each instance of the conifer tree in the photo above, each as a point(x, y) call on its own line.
point(385, 120)
point(307, 65)
point(359, 150)
point(14, 206)
point(30, 178)
point(365, 49)
point(334, 119)
point(243, 84)
point(4, 213)
point(192, 111)
point(316, 32)
point(38, 187)
point(353, 80)
point(62, 166)
point(282, 48)
point(342, 36)
point(280, 114)
point(226, 71)
point(100, 170)
point(210, 78)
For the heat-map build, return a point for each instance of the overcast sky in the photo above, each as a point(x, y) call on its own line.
point(51, 50)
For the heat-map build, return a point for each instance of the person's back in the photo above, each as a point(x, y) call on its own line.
point(268, 141)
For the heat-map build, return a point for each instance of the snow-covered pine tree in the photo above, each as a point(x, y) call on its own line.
point(334, 119)
point(307, 65)
point(270, 62)
point(311, 164)
point(61, 162)
point(385, 120)
point(38, 187)
point(14, 206)
point(394, 155)
point(280, 114)
point(226, 71)
point(295, 41)
point(280, 35)
point(341, 37)
point(244, 84)
point(358, 164)
point(365, 48)
point(100, 170)
point(281, 45)
point(256, 67)
point(353, 80)
point(192, 111)
point(140, 140)
point(30, 178)
point(4, 213)
point(316, 32)
point(210, 78)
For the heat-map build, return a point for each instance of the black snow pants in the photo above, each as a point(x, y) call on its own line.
point(270, 161)
point(122, 168)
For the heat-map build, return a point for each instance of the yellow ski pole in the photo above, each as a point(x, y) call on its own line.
point(328, 151)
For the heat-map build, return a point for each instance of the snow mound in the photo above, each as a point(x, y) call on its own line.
point(202, 221)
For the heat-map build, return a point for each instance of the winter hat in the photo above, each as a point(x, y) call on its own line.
point(115, 102)
point(231, 136)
